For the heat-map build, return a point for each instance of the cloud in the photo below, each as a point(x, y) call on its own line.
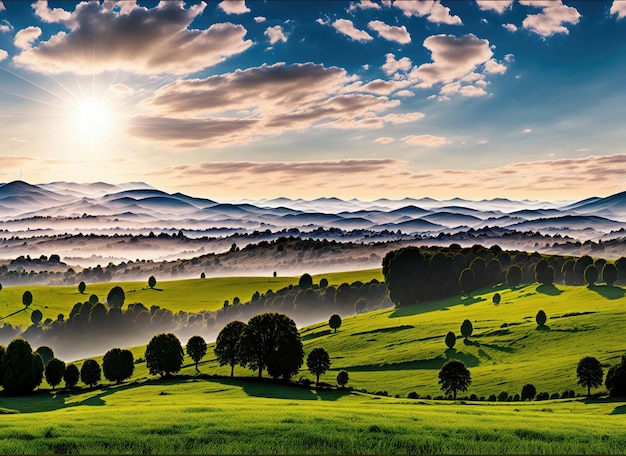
point(275, 34)
point(499, 6)
point(24, 38)
point(393, 66)
point(162, 42)
point(384, 140)
point(424, 140)
point(550, 21)
point(346, 27)
point(433, 10)
point(391, 33)
point(259, 19)
point(5, 26)
point(528, 130)
point(272, 99)
point(618, 7)
point(364, 4)
point(2, 7)
point(3, 54)
point(454, 61)
point(234, 6)
point(510, 27)
point(121, 89)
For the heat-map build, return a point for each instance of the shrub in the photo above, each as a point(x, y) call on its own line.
point(413, 395)
point(334, 322)
point(541, 318)
point(503, 396)
point(529, 392)
point(342, 378)
point(492, 398)
point(450, 339)
point(473, 397)
point(555, 396)
point(516, 398)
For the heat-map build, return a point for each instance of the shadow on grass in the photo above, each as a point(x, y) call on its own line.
point(317, 334)
point(271, 389)
point(542, 328)
point(468, 359)
point(430, 306)
point(384, 330)
point(608, 292)
point(619, 410)
point(549, 290)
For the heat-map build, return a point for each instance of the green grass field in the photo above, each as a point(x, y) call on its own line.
point(191, 295)
point(397, 350)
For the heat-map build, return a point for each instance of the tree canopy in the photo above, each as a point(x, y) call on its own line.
point(22, 370)
point(334, 322)
point(118, 365)
point(318, 363)
point(164, 354)
point(54, 372)
point(589, 373)
point(226, 345)
point(454, 377)
point(196, 349)
point(90, 372)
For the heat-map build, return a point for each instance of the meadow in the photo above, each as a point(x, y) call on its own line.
point(395, 350)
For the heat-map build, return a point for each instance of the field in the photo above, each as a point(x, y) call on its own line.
point(393, 350)
point(191, 295)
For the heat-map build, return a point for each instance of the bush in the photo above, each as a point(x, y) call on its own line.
point(473, 397)
point(555, 396)
point(503, 396)
point(118, 365)
point(413, 395)
point(450, 339)
point(541, 318)
point(543, 396)
point(492, 398)
point(529, 392)
point(516, 397)
point(342, 378)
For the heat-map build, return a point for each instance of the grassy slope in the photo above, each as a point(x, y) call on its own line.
point(191, 295)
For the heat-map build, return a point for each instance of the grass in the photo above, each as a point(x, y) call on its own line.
point(191, 295)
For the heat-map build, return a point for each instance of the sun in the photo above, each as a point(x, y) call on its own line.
point(93, 119)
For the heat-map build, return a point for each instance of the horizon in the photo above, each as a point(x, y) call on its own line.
point(363, 99)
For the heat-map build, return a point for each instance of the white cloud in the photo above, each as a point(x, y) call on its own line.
point(321, 21)
point(510, 27)
point(99, 40)
point(3, 54)
point(509, 58)
point(424, 140)
point(550, 21)
point(405, 93)
point(377, 86)
point(433, 10)
point(407, 117)
point(25, 38)
point(393, 66)
point(491, 66)
point(5, 26)
point(275, 34)
point(384, 140)
point(346, 27)
point(528, 130)
point(234, 6)
point(121, 90)
point(391, 33)
point(499, 6)
point(2, 7)
point(583, 149)
point(364, 4)
point(259, 19)
point(618, 7)
point(483, 141)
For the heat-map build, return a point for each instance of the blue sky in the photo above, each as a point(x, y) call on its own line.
point(367, 99)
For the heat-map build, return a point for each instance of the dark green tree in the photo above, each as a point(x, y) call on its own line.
point(528, 392)
point(324, 282)
point(467, 280)
point(46, 354)
point(541, 318)
point(116, 297)
point(591, 275)
point(164, 354)
point(454, 377)
point(334, 322)
point(514, 276)
point(286, 360)
point(226, 348)
point(609, 274)
point(318, 363)
point(71, 376)
point(342, 379)
point(90, 373)
point(196, 349)
point(22, 370)
point(54, 371)
point(82, 287)
point(118, 365)
point(616, 379)
point(450, 339)
point(360, 306)
point(466, 328)
point(306, 281)
point(36, 316)
point(93, 300)
point(589, 373)
point(27, 298)
point(496, 298)
point(152, 282)
point(402, 270)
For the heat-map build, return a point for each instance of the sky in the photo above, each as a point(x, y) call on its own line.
point(358, 99)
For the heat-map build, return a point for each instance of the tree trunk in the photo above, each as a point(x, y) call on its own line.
point(454, 394)
point(232, 370)
point(335, 329)
point(260, 372)
point(317, 383)
point(588, 390)
point(197, 370)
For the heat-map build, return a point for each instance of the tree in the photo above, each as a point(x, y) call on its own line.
point(450, 339)
point(90, 373)
point(36, 317)
point(226, 349)
point(116, 297)
point(152, 282)
point(342, 379)
point(334, 322)
point(360, 306)
point(55, 369)
point(196, 349)
point(93, 300)
point(609, 274)
point(589, 373)
point(616, 379)
point(324, 282)
point(496, 299)
point(466, 329)
point(305, 282)
point(318, 363)
point(22, 370)
point(466, 280)
point(81, 287)
point(71, 376)
point(541, 318)
point(27, 298)
point(271, 340)
point(514, 276)
point(203, 275)
point(454, 377)
point(118, 365)
point(528, 392)
point(591, 275)
point(164, 354)
point(46, 354)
